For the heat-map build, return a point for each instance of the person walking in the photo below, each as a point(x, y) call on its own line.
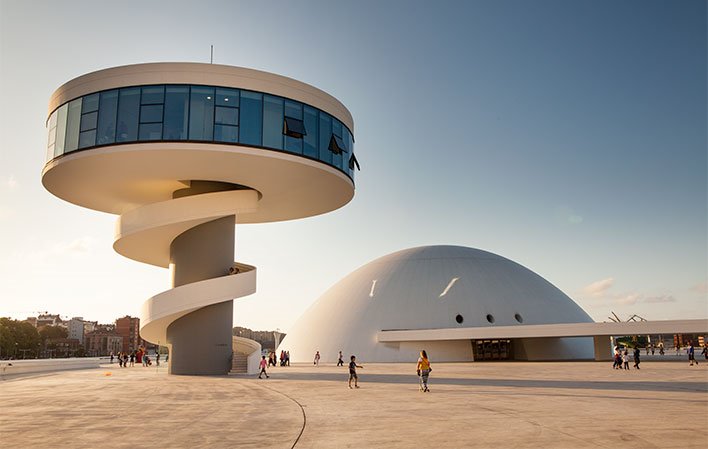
point(157, 359)
point(263, 366)
point(317, 359)
point(636, 357)
point(705, 351)
point(625, 359)
point(340, 359)
point(423, 369)
point(691, 353)
point(352, 372)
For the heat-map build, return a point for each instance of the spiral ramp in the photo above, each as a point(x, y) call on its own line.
point(148, 234)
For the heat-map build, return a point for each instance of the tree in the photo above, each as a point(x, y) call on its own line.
point(17, 335)
point(52, 332)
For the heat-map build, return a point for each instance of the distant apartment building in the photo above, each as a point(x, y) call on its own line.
point(103, 341)
point(49, 320)
point(75, 326)
point(128, 328)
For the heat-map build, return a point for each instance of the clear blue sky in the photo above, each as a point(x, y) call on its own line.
point(567, 136)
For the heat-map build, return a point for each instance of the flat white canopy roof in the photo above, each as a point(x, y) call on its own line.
point(547, 330)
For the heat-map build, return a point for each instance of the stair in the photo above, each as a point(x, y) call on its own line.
point(239, 365)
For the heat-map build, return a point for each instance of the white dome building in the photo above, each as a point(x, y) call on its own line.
point(475, 303)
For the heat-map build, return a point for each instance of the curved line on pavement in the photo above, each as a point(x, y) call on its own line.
point(304, 416)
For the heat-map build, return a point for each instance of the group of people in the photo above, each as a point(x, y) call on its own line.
point(621, 358)
point(273, 359)
point(126, 359)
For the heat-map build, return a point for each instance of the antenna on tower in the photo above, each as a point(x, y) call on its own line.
point(212, 55)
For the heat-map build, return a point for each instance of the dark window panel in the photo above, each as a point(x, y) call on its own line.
point(150, 131)
point(128, 109)
point(225, 133)
point(325, 135)
point(176, 113)
point(337, 158)
point(294, 127)
point(151, 113)
point(89, 121)
point(201, 113)
point(227, 97)
point(310, 140)
point(226, 116)
point(336, 145)
point(153, 95)
point(353, 162)
point(87, 139)
point(272, 122)
point(293, 109)
point(106, 131)
point(251, 112)
point(90, 103)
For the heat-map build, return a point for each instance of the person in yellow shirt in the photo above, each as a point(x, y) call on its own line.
point(423, 369)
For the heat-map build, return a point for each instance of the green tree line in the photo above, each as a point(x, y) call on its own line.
point(20, 338)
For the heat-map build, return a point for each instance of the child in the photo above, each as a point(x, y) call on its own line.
point(352, 372)
point(625, 359)
point(263, 366)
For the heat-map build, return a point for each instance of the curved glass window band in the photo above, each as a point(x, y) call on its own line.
point(199, 113)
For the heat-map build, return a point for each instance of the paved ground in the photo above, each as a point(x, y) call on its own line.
point(499, 405)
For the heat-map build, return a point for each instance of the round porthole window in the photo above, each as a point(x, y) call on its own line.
point(459, 319)
point(490, 318)
point(518, 318)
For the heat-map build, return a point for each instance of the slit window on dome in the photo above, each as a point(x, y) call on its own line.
point(449, 286)
point(336, 145)
point(373, 287)
point(294, 127)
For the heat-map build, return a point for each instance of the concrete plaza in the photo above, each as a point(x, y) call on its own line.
point(471, 405)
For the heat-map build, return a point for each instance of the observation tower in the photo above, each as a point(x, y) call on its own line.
point(181, 152)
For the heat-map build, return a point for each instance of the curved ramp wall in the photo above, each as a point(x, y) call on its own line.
point(181, 152)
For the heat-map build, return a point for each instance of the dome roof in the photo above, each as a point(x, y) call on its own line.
point(428, 287)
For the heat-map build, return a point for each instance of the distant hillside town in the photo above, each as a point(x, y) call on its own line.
point(49, 336)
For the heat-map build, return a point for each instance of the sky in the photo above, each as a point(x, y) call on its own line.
point(569, 137)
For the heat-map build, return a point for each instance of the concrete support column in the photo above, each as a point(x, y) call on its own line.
point(200, 342)
point(602, 348)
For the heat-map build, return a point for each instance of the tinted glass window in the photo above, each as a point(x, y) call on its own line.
point(72, 126)
point(176, 112)
point(227, 97)
point(150, 131)
point(128, 109)
point(153, 95)
point(225, 133)
point(87, 139)
point(226, 116)
point(325, 136)
point(310, 139)
point(106, 132)
point(151, 113)
point(201, 113)
point(293, 109)
point(52, 128)
point(251, 112)
point(90, 103)
point(61, 130)
point(272, 122)
point(89, 121)
point(337, 131)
